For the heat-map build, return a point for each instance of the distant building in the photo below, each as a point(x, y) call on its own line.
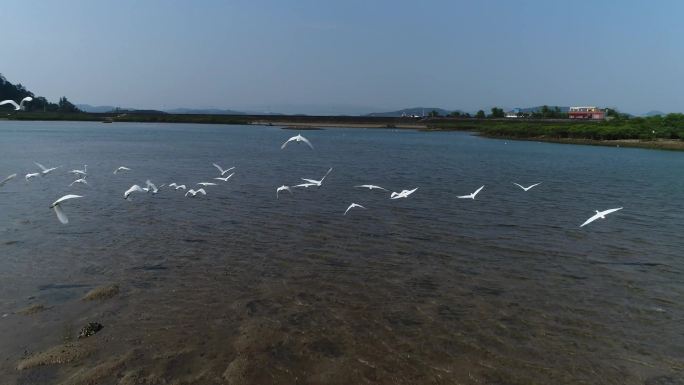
point(594, 113)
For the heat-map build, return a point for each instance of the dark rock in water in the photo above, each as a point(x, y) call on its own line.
point(90, 329)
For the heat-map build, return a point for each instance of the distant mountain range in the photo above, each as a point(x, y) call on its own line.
point(420, 111)
point(654, 113)
point(198, 111)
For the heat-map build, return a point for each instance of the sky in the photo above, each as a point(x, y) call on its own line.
point(347, 57)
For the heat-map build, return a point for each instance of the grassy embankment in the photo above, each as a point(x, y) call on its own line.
point(653, 132)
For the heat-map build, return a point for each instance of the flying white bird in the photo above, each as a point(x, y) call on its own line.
point(8, 179)
point(133, 189)
point(177, 186)
point(298, 138)
point(195, 192)
point(599, 214)
point(471, 196)
point(19, 106)
point(122, 168)
point(305, 185)
point(317, 183)
point(207, 184)
point(351, 206)
point(402, 194)
point(371, 187)
point(226, 178)
point(46, 170)
point(221, 170)
point(283, 188)
point(151, 187)
point(81, 180)
point(58, 209)
point(31, 175)
point(80, 172)
point(527, 188)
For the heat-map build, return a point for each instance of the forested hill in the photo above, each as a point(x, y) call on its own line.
point(17, 92)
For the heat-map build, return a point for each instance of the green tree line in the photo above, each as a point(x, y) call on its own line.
point(17, 92)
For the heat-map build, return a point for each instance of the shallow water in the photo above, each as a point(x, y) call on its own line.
point(238, 287)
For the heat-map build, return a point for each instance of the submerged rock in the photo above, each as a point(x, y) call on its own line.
point(102, 292)
point(33, 309)
point(90, 329)
point(61, 354)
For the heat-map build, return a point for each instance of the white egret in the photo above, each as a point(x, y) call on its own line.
point(195, 192)
point(226, 178)
point(221, 170)
point(318, 183)
point(8, 179)
point(45, 170)
point(177, 186)
point(133, 189)
point(122, 168)
point(81, 180)
point(600, 214)
point(151, 187)
point(402, 194)
point(351, 206)
point(305, 185)
point(58, 209)
point(298, 138)
point(80, 172)
point(471, 196)
point(16, 106)
point(283, 188)
point(371, 187)
point(527, 188)
point(31, 175)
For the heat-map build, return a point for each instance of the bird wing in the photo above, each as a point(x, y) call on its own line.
point(310, 181)
point(536, 184)
point(593, 218)
point(12, 102)
point(409, 192)
point(201, 191)
point(478, 191)
point(65, 198)
point(606, 212)
point(182, 187)
point(305, 140)
point(7, 179)
point(41, 166)
point(326, 174)
point(219, 168)
point(464, 196)
point(520, 186)
point(288, 141)
point(60, 215)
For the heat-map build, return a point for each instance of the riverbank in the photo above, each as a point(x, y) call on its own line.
point(659, 144)
point(661, 133)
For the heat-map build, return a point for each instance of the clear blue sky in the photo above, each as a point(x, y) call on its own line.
point(348, 56)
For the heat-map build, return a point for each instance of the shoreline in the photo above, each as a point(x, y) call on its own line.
point(661, 144)
point(302, 122)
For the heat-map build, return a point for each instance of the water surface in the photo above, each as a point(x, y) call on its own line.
point(241, 287)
